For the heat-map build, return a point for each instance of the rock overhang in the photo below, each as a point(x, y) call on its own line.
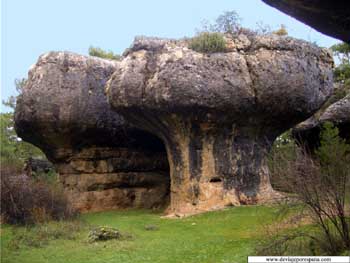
point(269, 75)
point(64, 105)
point(103, 161)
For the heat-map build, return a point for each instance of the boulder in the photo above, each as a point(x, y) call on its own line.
point(327, 16)
point(102, 161)
point(218, 114)
point(307, 133)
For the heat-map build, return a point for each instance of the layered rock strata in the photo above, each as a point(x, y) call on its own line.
point(103, 163)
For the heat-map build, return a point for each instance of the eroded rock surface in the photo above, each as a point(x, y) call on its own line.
point(327, 16)
point(103, 162)
point(307, 133)
point(219, 113)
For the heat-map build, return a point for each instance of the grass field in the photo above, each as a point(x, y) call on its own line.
point(222, 236)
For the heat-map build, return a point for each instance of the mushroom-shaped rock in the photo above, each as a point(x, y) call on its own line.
point(219, 113)
point(307, 133)
point(102, 161)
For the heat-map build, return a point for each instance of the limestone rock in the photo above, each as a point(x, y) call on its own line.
point(219, 113)
point(103, 162)
point(307, 133)
point(327, 16)
point(339, 112)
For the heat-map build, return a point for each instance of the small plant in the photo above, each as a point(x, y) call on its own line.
point(99, 52)
point(151, 227)
point(208, 43)
point(282, 31)
point(103, 234)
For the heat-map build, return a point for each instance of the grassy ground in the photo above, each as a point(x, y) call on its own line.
point(222, 236)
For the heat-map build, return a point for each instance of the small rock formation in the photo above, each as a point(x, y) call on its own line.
point(219, 113)
point(103, 162)
point(307, 133)
point(33, 166)
point(327, 16)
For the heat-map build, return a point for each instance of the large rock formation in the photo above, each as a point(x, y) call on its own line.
point(219, 113)
point(307, 133)
point(327, 16)
point(102, 161)
point(214, 116)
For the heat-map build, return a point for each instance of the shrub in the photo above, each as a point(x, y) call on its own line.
point(103, 234)
point(208, 43)
point(321, 184)
point(25, 200)
point(281, 161)
point(282, 31)
point(98, 52)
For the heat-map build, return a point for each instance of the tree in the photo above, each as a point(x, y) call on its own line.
point(228, 22)
point(14, 151)
point(11, 101)
point(342, 71)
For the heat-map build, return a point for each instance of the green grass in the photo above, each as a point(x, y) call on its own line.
point(222, 236)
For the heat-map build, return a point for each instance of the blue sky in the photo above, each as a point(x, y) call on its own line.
point(30, 28)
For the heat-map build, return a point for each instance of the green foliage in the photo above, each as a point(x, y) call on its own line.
point(321, 184)
point(228, 22)
point(208, 43)
point(333, 150)
point(341, 75)
point(11, 101)
point(342, 50)
point(14, 151)
point(280, 160)
point(98, 52)
point(342, 71)
point(104, 233)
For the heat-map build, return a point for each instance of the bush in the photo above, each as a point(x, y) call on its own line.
point(281, 161)
point(282, 31)
point(98, 52)
point(208, 43)
point(103, 234)
point(25, 200)
point(321, 184)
